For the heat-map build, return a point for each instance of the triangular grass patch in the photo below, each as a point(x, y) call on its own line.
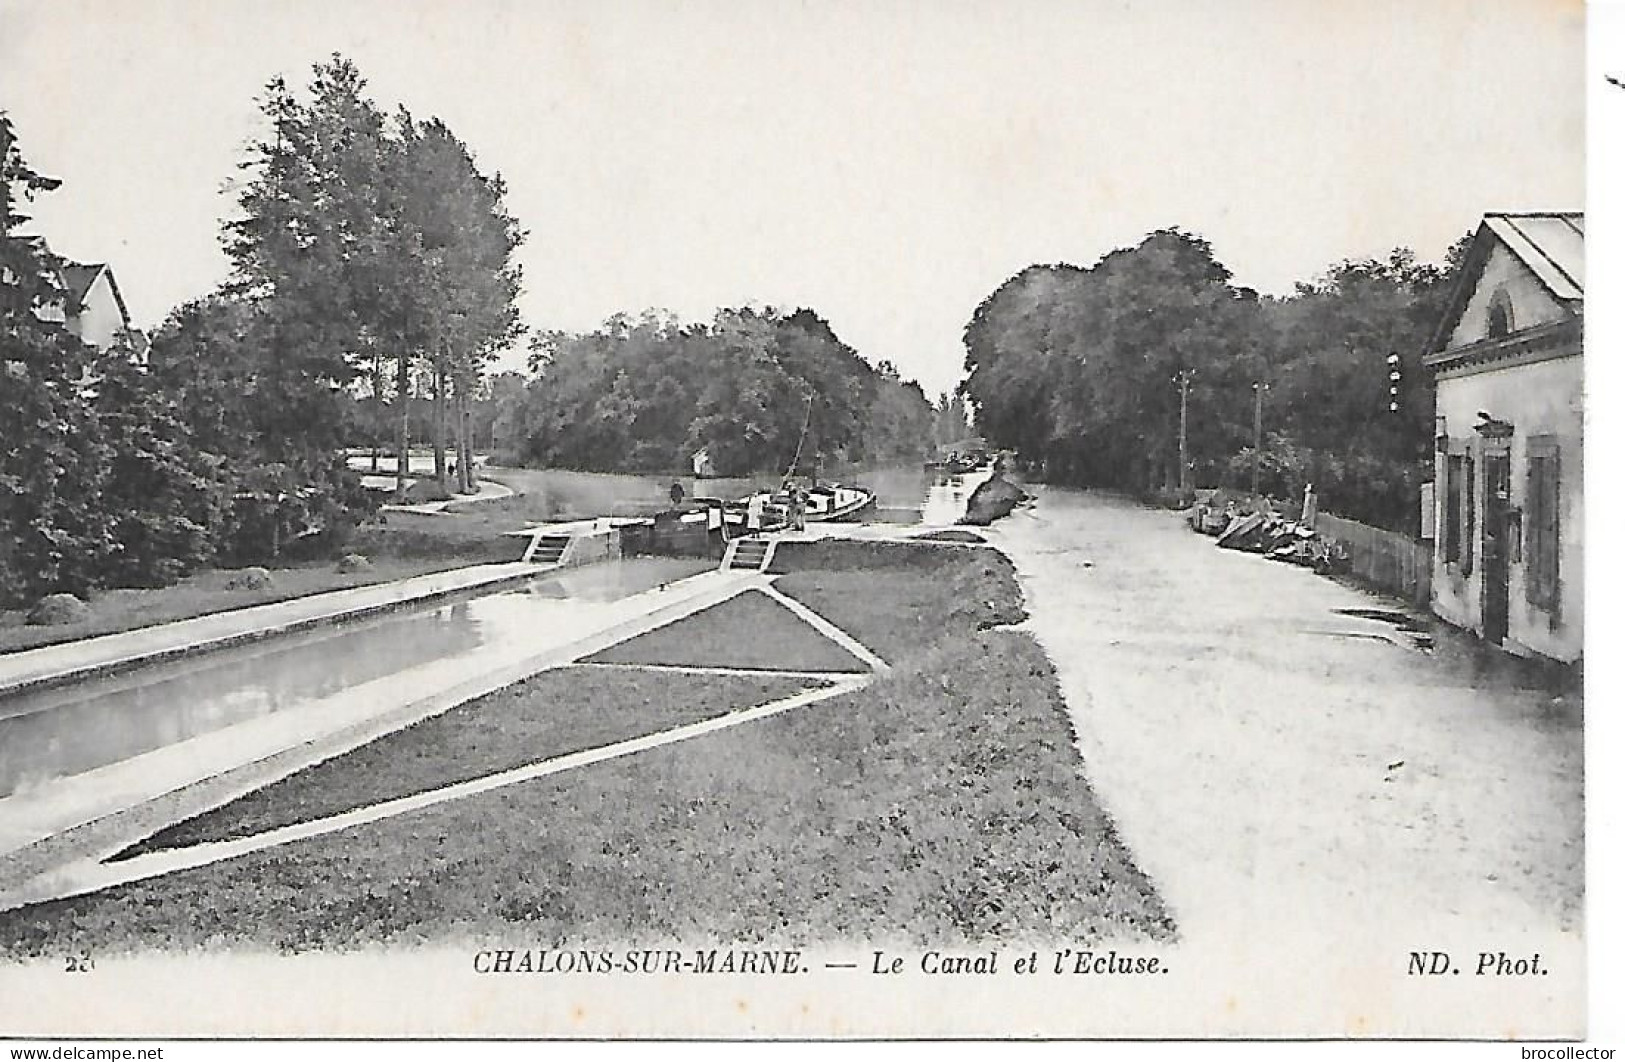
point(552, 713)
point(749, 630)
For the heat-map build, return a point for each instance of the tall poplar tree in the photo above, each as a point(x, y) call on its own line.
point(457, 241)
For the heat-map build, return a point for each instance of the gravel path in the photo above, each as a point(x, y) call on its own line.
point(1291, 779)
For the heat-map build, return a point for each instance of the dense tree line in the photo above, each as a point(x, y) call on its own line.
point(99, 478)
point(1080, 372)
point(369, 256)
point(757, 390)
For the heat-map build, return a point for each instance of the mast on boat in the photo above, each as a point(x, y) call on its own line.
point(806, 423)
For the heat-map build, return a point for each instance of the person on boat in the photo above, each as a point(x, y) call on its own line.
point(798, 509)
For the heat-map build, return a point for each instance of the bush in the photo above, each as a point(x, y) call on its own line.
point(248, 579)
point(56, 609)
point(426, 490)
point(281, 512)
point(354, 562)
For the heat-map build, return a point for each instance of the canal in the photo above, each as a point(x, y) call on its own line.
point(58, 732)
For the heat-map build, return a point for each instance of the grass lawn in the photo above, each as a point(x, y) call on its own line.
point(750, 630)
point(550, 714)
point(943, 804)
point(896, 610)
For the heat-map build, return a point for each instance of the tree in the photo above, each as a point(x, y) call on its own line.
point(898, 425)
point(493, 410)
point(164, 495)
point(1079, 371)
point(1334, 338)
point(454, 283)
point(644, 393)
point(309, 250)
point(99, 482)
point(53, 534)
point(1075, 369)
point(950, 420)
point(362, 240)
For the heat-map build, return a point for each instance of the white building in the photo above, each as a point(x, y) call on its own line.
point(91, 306)
point(1507, 357)
point(95, 308)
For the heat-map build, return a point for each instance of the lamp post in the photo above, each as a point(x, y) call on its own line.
point(1259, 387)
point(1184, 382)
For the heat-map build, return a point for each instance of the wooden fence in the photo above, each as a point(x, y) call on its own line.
point(1387, 560)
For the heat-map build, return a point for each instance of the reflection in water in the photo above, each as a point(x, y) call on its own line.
point(945, 500)
point(53, 733)
point(611, 582)
point(914, 495)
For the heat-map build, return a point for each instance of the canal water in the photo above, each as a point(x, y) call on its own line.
point(55, 733)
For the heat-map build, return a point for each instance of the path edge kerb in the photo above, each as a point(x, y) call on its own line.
point(79, 673)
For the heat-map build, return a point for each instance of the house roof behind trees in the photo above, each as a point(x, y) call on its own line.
point(78, 277)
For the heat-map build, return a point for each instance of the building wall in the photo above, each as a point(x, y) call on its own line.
point(99, 319)
point(1541, 399)
point(1532, 304)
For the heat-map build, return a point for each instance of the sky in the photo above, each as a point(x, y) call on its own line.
point(886, 163)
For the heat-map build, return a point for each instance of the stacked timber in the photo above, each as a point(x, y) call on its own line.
point(1253, 525)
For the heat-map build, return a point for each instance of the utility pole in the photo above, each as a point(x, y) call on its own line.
point(5, 178)
point(1259, 387)
point(1184, 380)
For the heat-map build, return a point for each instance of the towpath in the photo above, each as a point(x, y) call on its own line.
point(1303, 787)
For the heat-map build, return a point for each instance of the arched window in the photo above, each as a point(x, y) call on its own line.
point(1500, 315)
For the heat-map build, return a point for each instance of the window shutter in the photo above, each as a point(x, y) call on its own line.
point(1452, 508)
point(1469, 488)
point(1544, 530)
point(1534, 530)
point(1549, 533)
